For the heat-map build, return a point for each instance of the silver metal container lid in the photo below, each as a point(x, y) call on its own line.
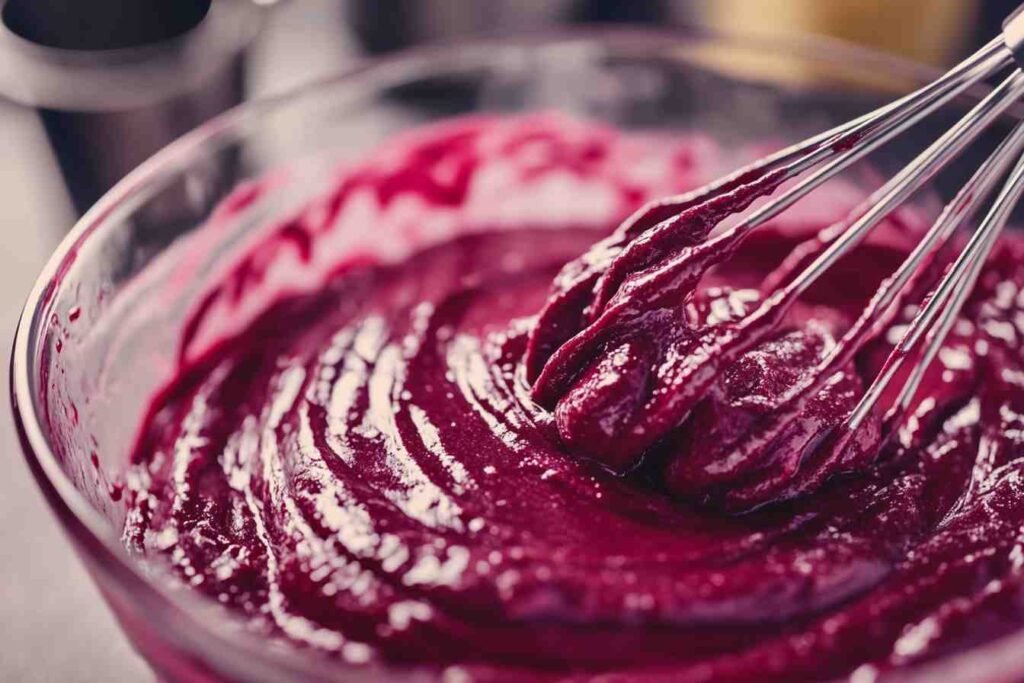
point(125, 78)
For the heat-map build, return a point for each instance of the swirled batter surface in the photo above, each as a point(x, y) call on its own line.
point(368, 471)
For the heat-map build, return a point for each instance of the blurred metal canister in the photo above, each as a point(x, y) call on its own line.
point(116, 80)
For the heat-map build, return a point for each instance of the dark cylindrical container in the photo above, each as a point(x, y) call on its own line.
point(116, 80)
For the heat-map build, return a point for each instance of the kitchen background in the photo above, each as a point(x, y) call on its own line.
point(65, 138)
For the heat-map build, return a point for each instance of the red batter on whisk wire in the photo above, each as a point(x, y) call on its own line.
point(624, 363)
point(409, 464)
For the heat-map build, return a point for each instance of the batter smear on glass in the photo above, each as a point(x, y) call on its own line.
point(575, 430)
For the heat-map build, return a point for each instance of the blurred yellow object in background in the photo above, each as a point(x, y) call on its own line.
point(929, 31)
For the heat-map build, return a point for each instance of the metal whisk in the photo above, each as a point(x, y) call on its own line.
point(553, 361)
point(849, 142)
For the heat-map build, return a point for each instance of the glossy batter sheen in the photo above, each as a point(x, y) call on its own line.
point(383, 470)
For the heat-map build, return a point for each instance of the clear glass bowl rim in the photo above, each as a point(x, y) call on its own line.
point(186, 614)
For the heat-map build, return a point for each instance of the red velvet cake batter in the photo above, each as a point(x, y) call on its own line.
point(449, 460)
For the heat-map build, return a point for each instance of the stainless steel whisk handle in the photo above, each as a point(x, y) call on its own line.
point(1013, 35)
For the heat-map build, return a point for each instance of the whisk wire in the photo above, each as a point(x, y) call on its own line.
point(915, 174)
point(958, 281)
point(870, 131)
point(941, 310)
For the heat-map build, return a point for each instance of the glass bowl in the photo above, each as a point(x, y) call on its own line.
point(99, 333)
